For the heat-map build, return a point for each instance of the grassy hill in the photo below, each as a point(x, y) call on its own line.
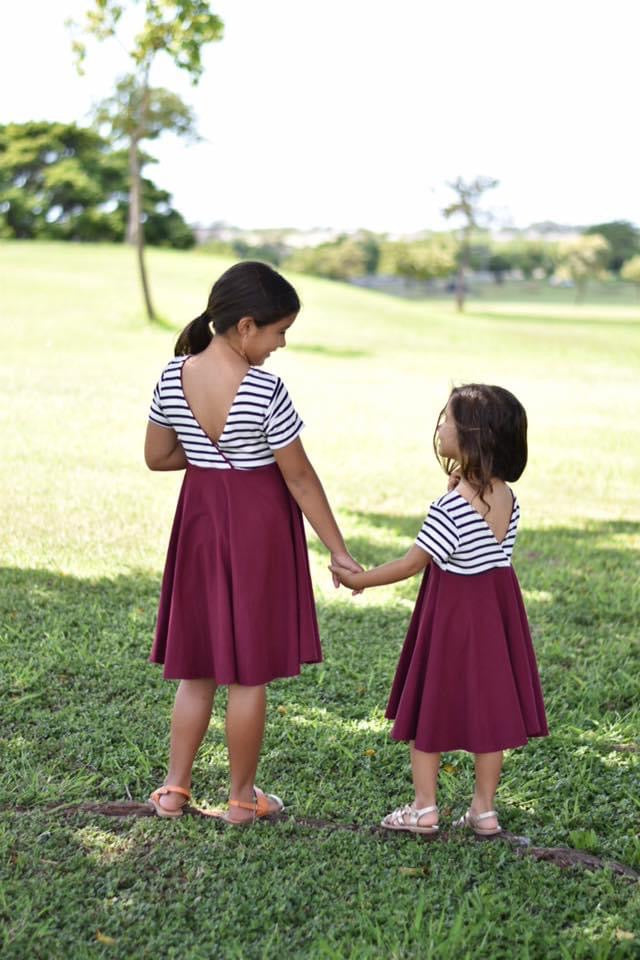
point(84, 534)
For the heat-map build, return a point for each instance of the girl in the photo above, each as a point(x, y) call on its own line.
point(467, 676)
point(236, 604)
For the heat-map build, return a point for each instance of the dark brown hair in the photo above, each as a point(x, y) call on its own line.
point(247, 289)
point(491, 426)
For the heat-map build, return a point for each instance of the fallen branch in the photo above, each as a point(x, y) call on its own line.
point(567, 857)
point(564, 857)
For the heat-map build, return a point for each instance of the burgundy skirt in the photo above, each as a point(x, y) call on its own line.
point(467, 677)
point(236, 602)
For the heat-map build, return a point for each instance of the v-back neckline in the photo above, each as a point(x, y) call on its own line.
point(191, 411)
point(513, 507)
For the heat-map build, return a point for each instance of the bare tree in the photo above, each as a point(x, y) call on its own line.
point(466, 204)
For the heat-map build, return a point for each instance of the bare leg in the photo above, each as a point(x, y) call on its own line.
point(189, 723)
point(245, 728)
point(488, 769)
point(424, 767)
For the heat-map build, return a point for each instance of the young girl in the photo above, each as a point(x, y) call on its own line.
point(236, 605)
point(467, 676)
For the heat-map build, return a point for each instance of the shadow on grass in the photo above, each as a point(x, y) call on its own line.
point(86, 717)
point(338, 353)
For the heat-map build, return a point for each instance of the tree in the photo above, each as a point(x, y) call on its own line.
point(530, 256)
point(137, 111)
point(623, 239)
point(341, 259)
point(499, 263)
point(631, 273)
point(466, 205)
point(421, 260)
point(582, 259)
point(127, 121)
point(64, 182)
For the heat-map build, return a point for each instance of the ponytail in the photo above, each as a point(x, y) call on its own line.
point(195, 336)
point(247, 289)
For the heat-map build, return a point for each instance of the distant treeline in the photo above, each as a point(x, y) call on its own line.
point(435, 254)
point(65, 182)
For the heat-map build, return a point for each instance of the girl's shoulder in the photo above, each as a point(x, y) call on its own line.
point(449, 501)
point(263, 378)
point(173, 367)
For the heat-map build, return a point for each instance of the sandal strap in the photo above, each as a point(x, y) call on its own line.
point(483, 816)
point(260, 805)
point(169, 788)
point(431, 809)
point(244, 804)
point(407, 815)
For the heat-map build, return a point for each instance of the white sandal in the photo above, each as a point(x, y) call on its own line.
point(472, 821)
point(408, 818)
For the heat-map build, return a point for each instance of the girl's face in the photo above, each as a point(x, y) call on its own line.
point(448, 435)
point(260, 342)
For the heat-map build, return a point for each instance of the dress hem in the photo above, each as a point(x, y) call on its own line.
point(228, 682)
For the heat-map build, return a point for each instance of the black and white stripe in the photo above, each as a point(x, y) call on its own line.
point(262, 418)
point(461, 541)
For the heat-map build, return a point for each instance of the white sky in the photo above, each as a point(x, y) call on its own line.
point(355, 113)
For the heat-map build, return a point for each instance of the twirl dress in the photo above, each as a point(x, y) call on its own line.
point(467, 678)
point(236, 602)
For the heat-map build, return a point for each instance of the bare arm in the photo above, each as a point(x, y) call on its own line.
point(306, 489)
point(162, 450)
point(414, 560)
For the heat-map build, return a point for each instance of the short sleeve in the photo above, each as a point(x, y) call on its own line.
point(281, 423)
point(438, 535)
point(156, 414)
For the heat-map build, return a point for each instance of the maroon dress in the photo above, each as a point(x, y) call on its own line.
point(467, 678)
point(236, 603)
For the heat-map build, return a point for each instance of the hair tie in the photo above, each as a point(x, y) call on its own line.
point(212, 329)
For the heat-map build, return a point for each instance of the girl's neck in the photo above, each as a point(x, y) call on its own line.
point(228, 349)
point(470, 488)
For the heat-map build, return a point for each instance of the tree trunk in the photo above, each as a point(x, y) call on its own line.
point(133, 224)
point(135, 231)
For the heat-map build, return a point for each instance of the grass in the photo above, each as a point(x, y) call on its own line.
point(85, 717)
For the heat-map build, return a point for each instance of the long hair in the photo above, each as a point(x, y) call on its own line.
point(247, 289)
point(491, 427)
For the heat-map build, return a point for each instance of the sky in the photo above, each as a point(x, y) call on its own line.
point(356, 113)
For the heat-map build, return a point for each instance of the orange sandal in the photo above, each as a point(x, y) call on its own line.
point(161, 811)
point(260, 807)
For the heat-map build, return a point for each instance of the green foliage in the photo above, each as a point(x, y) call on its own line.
point(85, 718)
point(179, 28)
point(499, 263)
point(531, 257)
point(61, 181)
point(144, 113)
point(583, 259)
point(623, 239)
point(427, 259)
point(344, 258)
point(631, 271)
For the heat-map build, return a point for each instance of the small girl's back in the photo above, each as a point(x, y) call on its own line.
point(467, 677)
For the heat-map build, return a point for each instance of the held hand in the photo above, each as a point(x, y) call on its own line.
point(454, 480)
point(341, 575)
point(345, 564)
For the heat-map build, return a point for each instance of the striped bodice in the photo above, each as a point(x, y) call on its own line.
point(261, 419)
point(461, 541)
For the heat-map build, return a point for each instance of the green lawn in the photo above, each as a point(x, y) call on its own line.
point(85, 718)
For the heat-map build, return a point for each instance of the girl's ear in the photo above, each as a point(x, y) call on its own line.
point(245, 325)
